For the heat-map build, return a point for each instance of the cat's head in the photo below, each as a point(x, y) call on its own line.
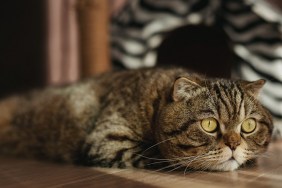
point(213, 124)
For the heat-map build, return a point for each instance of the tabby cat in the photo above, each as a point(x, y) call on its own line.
point(140, 118)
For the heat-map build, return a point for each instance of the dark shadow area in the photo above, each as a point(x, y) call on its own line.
point(200, 48)
point(22, 35)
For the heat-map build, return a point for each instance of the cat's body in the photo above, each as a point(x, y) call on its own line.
point(112, 120)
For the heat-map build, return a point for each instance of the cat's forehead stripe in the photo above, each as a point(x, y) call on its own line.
point(229, 98)
point(221, 101)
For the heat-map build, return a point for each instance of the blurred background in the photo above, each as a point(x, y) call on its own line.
point(52, 42)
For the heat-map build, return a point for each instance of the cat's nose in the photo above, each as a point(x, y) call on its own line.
point(232, 140)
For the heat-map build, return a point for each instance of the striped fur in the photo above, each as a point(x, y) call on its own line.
point(254, 28)
point(143, 118)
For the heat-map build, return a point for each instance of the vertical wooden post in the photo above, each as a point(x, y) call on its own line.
point(62, 42)
point(93, 19)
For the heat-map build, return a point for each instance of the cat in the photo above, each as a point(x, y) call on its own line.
point(140, 118)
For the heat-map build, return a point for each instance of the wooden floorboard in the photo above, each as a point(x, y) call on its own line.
point(27, 173)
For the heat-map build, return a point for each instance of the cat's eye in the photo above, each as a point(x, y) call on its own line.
point(249, 125)
point(209, 125)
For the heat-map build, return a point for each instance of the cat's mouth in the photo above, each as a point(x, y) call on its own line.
point(231, 158)
point(229, 164)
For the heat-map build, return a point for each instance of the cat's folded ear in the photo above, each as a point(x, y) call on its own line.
point(253, 88)
point(184, 87)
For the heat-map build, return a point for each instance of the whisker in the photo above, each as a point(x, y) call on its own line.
point(205, 164)
point(168, 166)
point(180, 163)
point(179, 166)
point(170, 160)
point(158, 162)
point(157, 144)
point(151, 158)
point(196, 158)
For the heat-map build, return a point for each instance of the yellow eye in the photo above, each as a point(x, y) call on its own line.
point(249, 125)
point(209, 125)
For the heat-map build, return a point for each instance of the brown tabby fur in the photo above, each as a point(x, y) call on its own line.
point(138, 118)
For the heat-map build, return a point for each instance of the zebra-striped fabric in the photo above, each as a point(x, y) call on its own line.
point(254, 27)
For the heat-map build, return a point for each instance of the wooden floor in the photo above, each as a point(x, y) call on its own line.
point(23, 173)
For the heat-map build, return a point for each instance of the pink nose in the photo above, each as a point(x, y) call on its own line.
point(232, 140)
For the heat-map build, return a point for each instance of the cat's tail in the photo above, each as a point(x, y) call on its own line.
point(7, 109)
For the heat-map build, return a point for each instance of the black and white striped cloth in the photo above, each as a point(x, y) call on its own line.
point(254, 27)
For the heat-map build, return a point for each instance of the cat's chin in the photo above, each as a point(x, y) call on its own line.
point(229, 165)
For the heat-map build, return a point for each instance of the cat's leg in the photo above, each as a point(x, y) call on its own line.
point(113, 143)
